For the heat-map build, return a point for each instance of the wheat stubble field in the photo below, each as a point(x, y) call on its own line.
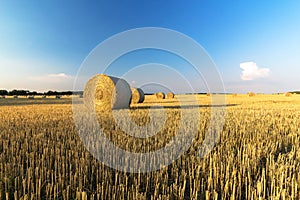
point(258, 157)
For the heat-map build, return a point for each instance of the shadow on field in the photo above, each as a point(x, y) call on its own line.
point(23, 101)
point(182, 107)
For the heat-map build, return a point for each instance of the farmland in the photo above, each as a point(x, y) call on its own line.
point(257, 157)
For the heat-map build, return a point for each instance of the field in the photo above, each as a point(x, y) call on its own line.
point(257, 157)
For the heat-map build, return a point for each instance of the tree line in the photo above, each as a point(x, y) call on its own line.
point(28, 93)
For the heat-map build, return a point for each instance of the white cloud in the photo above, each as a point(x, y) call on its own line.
point(52, 78)
point(251, 71)
point(60, 75)
point(60, 81)
point(34, 74)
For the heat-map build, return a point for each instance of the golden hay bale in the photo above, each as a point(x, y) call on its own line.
point(288, 94)
point(170, 95)
point(160, 95)
point(137, 95)
point(251, 94)
point(106, 93)
point(208, 94)
point(234, 95)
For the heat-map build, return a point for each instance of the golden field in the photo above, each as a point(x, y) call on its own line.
point(257, 157)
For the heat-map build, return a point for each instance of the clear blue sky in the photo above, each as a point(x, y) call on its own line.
point(42, 44)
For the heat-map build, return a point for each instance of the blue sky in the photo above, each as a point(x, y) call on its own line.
point(254, 44)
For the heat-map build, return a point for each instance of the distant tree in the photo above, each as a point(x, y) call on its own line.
point(78, 92)
point(51, 93)
point(66, 93)
point(19, 92)
point(3, 92)
point(32, 93)
point(13, 92)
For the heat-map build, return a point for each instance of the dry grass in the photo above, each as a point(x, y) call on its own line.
point(41, 156)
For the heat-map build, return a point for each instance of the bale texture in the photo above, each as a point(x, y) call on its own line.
point(288, 94)
point(160, 95)
point(251, 94)
point(105, 93)
point(138, 95)
point(170, 95)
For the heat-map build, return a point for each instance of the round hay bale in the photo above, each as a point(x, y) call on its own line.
point(137, 95)
point(170, 95)
point(251, 94)
point(160, 95)
point(234, 95)
point(2, 97)
point(106, 93)
point(288, 94)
